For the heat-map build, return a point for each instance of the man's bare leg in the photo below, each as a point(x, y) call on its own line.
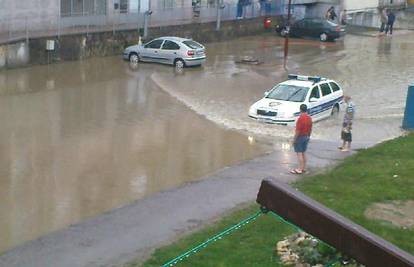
point(346, 147)
point(301, 158)
point(304, 161)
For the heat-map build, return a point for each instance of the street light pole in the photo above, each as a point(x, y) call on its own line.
point(147, 14)
point(145, 24)
point(287, 35)
point(218, 15)
point(220, 7)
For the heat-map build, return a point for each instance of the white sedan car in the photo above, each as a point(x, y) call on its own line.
point(176, 51)
point(280, 105)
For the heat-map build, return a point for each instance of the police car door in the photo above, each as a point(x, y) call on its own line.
point(327, 100)
point(314, 100)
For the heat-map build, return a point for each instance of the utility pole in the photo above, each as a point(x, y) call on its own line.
point(218, 15)
point(287, 35)
point(147, 15)
point(219, 6)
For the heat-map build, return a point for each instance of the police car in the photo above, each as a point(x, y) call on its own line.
point(280, 105)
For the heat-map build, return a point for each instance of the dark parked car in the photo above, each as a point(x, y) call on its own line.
point(323, 29)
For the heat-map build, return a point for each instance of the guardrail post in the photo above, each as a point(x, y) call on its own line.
point(9, 29)
point(26, 28)
point(113, 24)
point(408, 121)
point(58, 25)
point(88, 17)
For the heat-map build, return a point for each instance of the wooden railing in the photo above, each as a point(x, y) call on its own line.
point(330, 227)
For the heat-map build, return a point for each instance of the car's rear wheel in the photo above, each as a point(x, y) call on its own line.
point(133, 58)
point(179, 63)
point(335, 111)
point(323, 37)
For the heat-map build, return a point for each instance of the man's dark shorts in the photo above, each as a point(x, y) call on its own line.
point(346, 136)
point(301, 144)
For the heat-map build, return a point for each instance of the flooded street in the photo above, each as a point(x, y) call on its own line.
point(81, 138)
point(77, 141)
point(374, 71)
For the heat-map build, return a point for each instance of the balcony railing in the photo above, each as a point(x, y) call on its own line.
point(20, 28)
point(392, 3)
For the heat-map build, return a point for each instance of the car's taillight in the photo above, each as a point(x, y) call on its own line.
point(190, 53)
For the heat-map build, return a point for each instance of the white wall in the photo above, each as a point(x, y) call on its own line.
point(29, 13)
point(360, 4)
point(30, 8)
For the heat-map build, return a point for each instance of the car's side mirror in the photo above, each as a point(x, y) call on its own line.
point(266, 93)
point(313, 99)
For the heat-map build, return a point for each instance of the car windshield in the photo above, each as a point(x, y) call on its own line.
point(288, 93)
point(192, 44)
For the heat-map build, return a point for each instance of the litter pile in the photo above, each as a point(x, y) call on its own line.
point(303, 250)
point(249, 60)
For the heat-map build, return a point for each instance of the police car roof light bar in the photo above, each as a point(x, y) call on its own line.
point(315, 79)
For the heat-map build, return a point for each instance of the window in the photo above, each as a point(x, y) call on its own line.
point(65, 8)
point(100, 7)
point(123, 6)
point(169, 45)
point(334, 86)
point(288, 93)
point(317, 23)
point(156, 44)
point(77, 7)
point(166, 4)
point(326, 90)
point(69, 8)
point(192, 44)
point(330, 23)
point(89, 7)
point(315, 93)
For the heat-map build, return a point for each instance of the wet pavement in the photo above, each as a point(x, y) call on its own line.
point(77, 141)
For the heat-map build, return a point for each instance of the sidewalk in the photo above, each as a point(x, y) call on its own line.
point(373, 32)
point(135, 230)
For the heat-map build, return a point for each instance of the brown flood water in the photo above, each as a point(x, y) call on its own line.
point(78, 139)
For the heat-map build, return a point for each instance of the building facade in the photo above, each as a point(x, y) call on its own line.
point(367, 13)
point(358, 5)
point(312, 8)
point(17, 17)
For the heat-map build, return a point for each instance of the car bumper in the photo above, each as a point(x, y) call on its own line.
point(274, 120)
point(194, 61)
point(337, 35)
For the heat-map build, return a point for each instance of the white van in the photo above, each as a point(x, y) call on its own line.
point(280, 105)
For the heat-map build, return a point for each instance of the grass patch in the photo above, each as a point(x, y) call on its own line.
point(380, 174)
point(253, 245)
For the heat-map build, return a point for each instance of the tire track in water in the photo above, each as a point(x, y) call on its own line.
point(217, 111)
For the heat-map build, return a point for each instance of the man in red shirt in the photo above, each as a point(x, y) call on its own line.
point(302, 135)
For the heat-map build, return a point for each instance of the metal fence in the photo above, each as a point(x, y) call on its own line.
point(15, 29)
